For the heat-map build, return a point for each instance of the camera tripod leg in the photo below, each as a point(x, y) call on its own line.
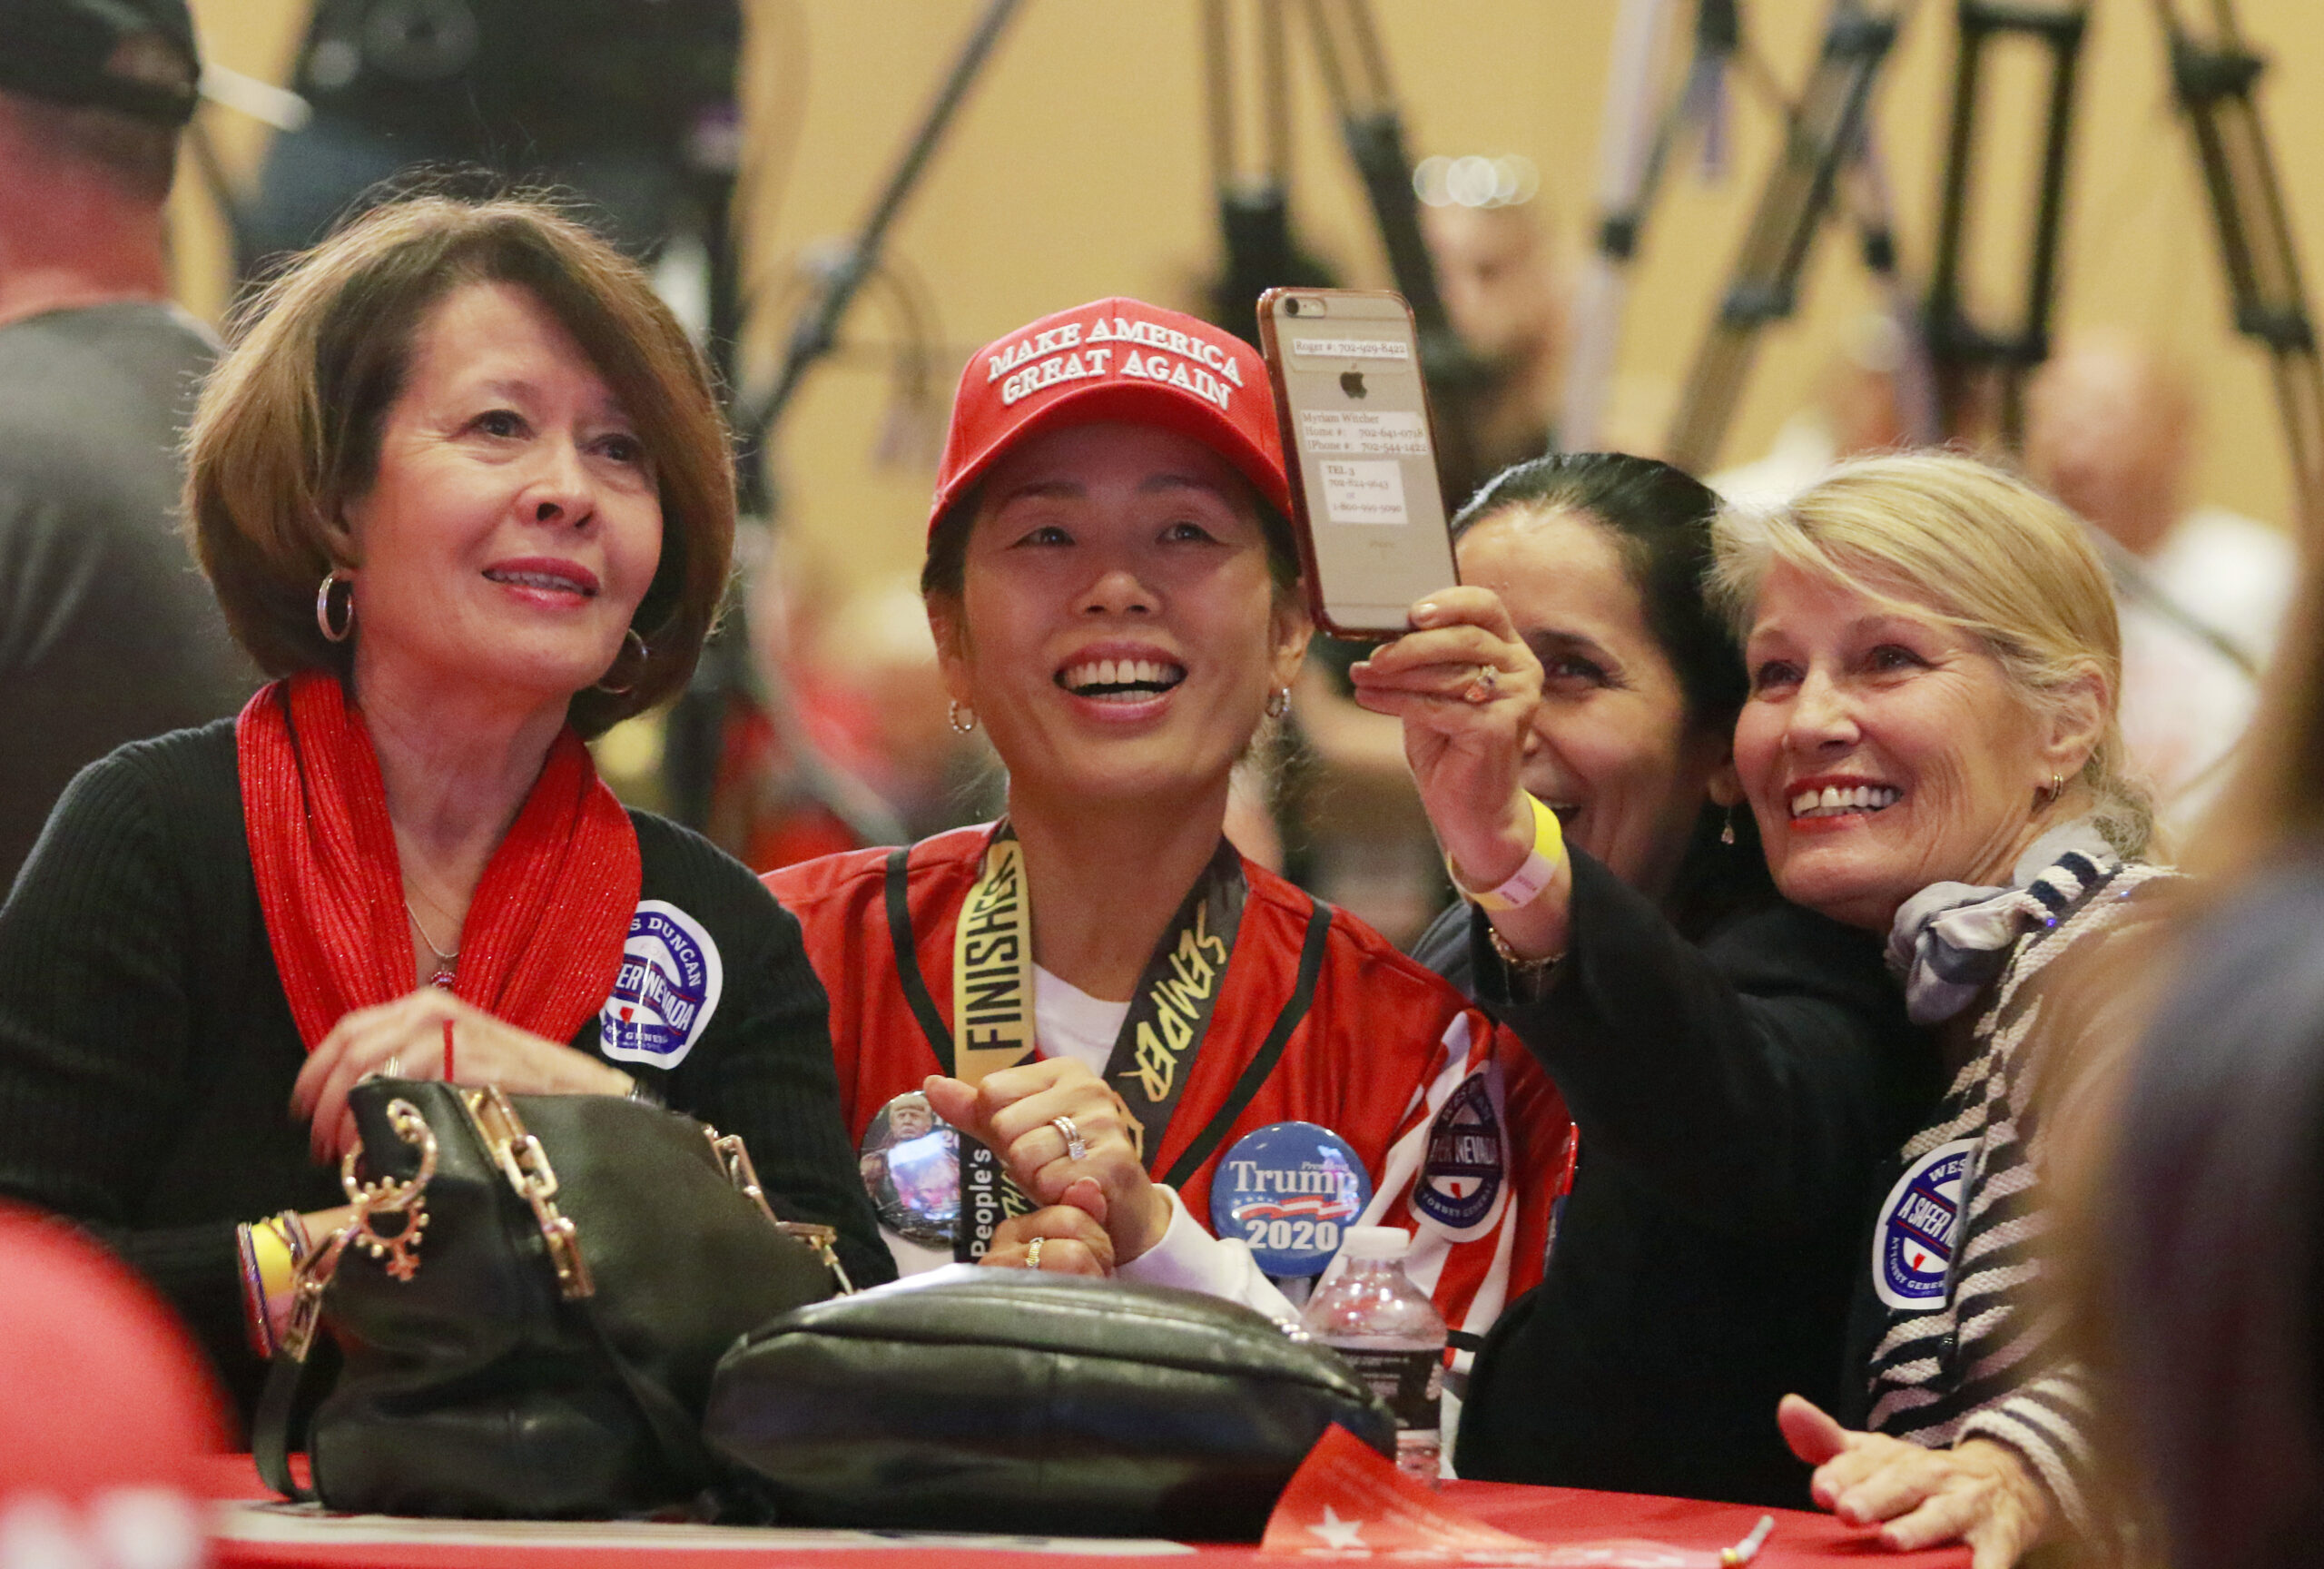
point(1825, 134)
point(1960, 347)
point(1632, 135)
point(1356, 76)
point(2213, 82)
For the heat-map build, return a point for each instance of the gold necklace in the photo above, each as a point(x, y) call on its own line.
point(444, 963)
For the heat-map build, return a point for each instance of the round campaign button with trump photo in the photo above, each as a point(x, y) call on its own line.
point(1289, 1189)
point(911, 1161)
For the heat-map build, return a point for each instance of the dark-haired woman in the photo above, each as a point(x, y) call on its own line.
point(1115, 598)
point(463, 487)
point(1704, 1260)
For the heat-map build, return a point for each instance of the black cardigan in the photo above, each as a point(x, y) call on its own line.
point(147, 1050)
point(1736, 1098)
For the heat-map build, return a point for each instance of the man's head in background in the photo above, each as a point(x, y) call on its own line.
point(105, 83)
point(2110, 432)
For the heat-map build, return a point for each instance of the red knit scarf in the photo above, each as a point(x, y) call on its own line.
point(543, 939)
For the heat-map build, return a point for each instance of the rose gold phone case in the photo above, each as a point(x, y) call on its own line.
point(1367, 512)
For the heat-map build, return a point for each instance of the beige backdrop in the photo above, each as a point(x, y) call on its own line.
point(1078, 169)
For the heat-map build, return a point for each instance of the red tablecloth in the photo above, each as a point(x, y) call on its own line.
point(254, 1535)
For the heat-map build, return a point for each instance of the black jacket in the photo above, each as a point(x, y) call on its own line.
point(147, 1050)
point(1735, 1096)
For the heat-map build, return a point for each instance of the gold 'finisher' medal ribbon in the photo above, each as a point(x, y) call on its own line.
point(993, 1011)
point(992, 968)
point(992, 1018)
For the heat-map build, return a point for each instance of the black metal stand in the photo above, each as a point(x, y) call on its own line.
point(817, 332)
point(1253, 197)
point(1825, 132)
point(694, 739)
point(1960, 347)
point(1355, 75)
point(2213, 82)
point(1255, 207)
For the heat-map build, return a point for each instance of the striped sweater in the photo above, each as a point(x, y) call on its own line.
point(1978, 1356)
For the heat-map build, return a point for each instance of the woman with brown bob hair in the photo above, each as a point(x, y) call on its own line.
point(463, 487)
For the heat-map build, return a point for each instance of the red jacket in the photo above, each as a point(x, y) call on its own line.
point(1384, 1044)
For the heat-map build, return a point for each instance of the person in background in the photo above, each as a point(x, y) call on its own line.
point(1929, 753)
point(2192, 1199)
point(1115, 596)
point(2110, 430)
point(463, 489)
point(1634, 1367)
point(1859, 410)
point(107, 633)
point(1932, 751)
point(1506, 298)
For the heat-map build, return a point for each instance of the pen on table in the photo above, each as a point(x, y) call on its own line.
point(1743, 1552)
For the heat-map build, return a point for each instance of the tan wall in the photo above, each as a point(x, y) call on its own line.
point(1078, 169)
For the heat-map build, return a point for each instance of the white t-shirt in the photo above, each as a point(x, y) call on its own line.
point(2186, 705)
point(2234, 574)
point(1068, 1023)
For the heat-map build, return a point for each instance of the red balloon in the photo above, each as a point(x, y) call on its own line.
point(101, 1387)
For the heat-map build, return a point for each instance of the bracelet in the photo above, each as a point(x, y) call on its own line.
point(292, 1225)
point(1528, 882)
point(1519, 966)
point(256, 1326)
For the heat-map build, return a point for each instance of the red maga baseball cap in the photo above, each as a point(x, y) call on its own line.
point(1114, 360)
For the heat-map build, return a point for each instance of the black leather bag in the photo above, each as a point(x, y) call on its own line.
point(531, 1309)
point(974, 1399)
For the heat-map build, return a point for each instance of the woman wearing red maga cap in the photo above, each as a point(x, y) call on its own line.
point(463, 486)
point(1099, 987)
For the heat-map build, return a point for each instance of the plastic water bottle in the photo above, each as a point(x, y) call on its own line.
point(1371, 1313)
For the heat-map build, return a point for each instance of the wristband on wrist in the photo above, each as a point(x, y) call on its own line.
point(1527, 883)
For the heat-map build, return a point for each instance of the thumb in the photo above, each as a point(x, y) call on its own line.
point(1813, 1437)
point(956, 1103)
point(1087, 1196)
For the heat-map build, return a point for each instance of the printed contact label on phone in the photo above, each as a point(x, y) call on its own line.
point(1364, 492)
point(1351, 349)
point(1358, 433)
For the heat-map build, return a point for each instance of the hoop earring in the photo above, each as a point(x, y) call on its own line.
point(961, 718)
point(644, 653)
point(1727, 829)
point(1278, 702)
point(2057, 788)
point(331, 579)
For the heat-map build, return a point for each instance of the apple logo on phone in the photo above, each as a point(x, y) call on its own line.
point(1352, 383)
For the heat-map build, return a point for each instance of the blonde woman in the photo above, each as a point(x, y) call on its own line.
point(1929, 749)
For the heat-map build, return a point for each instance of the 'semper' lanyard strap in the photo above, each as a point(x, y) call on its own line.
point(992, 1010)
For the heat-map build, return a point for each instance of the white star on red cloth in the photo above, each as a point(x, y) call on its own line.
point(1336, 1532)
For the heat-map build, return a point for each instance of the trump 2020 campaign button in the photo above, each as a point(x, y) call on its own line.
point(1912, 1247)
point(1289, 1189)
